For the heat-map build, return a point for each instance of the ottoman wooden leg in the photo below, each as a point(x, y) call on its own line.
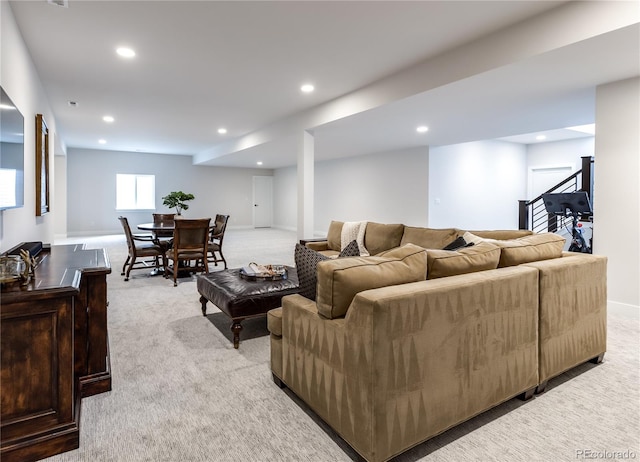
point(204, 301)
point(236, 327)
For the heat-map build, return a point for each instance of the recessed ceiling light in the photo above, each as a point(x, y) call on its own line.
point(259, 162)
point(108, 118)
point(126, 52)
point(307, 88)
point(222, 130)
point(541, 137)
point(422, 129)
point(102, 141)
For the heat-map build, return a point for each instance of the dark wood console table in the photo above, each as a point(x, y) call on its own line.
point(54, 350)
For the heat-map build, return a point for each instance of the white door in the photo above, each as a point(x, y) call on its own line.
point(262, 201)
point(543, 178)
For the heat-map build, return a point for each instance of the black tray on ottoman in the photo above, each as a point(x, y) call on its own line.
point(240, 298)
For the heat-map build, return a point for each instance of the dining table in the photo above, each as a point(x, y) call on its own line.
point(159, 229)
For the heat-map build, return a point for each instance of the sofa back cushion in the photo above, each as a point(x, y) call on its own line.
point(379, 237)
point(429, 238)
point(340, 280)
point(479, 257)
point(502, 233)
point(528, 249)
point(334, 235)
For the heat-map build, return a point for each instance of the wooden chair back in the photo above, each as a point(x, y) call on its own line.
point(215, 242)
point(164, 218)
point(191, 236)
point(219, 227)
point(190, 243)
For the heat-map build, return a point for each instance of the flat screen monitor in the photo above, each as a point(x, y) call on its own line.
point(11, 154)
point(560, 203)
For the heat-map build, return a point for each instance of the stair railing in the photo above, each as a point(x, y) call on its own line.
point(533, 214)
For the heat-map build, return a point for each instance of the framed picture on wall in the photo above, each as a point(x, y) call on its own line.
point(42, 166)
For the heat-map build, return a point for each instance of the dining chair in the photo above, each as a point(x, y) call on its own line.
point(140, 246)
point(190, 243)
point(164, 218)
point(215, 240)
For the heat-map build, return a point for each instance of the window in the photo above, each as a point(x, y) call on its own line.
point(134, 192)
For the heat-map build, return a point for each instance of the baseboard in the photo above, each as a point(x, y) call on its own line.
point(623, 310)
point(103, 232)
point(286, 228)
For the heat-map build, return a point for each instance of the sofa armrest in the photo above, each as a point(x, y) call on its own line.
point(317, 244)
point(573, 311)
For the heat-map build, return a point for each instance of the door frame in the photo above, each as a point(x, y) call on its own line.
point(254, 200)
point(533, 169)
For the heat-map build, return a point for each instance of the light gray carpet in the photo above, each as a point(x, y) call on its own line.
point(182, 393)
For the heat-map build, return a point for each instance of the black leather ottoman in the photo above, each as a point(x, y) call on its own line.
point(240, 299)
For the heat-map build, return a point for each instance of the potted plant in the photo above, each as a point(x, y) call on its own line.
point(177, 200)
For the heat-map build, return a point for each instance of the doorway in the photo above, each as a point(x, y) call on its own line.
point(541, 179)
point(262, 201)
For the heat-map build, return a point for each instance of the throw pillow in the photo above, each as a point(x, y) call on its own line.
point(457, 244)
point(470, 237)
point(354, 230)
point(307, 266)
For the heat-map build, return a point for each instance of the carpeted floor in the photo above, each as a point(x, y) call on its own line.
point(181, 392)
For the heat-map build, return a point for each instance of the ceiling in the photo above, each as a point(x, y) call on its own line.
point(202, 65)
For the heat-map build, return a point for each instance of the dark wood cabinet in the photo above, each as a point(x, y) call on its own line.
point(54, 350)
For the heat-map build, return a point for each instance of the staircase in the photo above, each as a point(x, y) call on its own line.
point(533, 215)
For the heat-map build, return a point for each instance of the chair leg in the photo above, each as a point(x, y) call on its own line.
point(176, 265)
point(133, 261)
point(223, 259)
point(124, 267)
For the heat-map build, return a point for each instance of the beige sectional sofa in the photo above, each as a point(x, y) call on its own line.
point(413, 340)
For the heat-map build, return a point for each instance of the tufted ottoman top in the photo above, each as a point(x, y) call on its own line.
point(241, 298)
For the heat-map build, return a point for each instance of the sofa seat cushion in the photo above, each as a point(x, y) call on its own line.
point(429, 238)
point(274, 321)
point(526, 249)
point(379, 237)
point(341, 279)
point(479, 257)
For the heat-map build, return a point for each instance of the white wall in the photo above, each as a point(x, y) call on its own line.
point(21, 82)
point(388, 187)
point(558, 154)
point(476, 185)
point(285, 198)
point(59, 198)
point(616, 192)
point(91, 193)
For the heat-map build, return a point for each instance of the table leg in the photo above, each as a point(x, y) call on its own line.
point(236, 327)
